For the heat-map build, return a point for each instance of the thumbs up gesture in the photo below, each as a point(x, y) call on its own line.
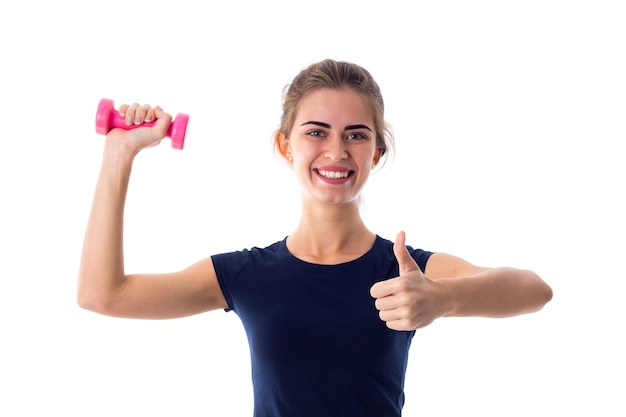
point(409, 301)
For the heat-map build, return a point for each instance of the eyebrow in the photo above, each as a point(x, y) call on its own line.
point(327, 126)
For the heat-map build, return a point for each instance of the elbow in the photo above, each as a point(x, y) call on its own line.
point(85, 303)
point(547, 294)
point(91, 298)
point(542, 291)
point(89, 301)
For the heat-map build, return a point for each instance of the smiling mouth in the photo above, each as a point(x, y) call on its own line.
point(334, 175)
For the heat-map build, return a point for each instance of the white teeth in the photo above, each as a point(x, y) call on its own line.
point(333, 174)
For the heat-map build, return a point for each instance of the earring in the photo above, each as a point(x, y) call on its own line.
point(290, 158)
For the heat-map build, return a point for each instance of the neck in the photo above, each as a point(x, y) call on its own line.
point(330, 234)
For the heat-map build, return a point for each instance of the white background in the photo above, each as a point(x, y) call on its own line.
point(510, 123)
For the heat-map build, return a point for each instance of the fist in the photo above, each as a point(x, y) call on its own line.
point(137, 115)
point(409, 301)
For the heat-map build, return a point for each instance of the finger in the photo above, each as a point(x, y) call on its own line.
point(122, 110)
point(130, 113)
point(150, 115)
point(163, 121)
point(396, 321)
point(402, 325)
point(140, 114)
point(390, 315)
point(162, 117)
point(158, 112)
point(387, 288)
point(404, 258)
point(381, 289)
point(381, 303)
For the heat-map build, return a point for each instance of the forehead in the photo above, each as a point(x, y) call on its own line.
point(332, 106)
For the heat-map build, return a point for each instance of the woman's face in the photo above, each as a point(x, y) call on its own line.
point(332, 145)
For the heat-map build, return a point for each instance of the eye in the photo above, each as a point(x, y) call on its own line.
point(315, 133)
point(356, 136)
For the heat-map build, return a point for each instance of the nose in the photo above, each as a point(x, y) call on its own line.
point(335, 149)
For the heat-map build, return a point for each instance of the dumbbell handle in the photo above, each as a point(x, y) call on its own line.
point(108, 118)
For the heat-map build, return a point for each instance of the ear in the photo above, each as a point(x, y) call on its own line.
point(282, 145)
point(379, 154)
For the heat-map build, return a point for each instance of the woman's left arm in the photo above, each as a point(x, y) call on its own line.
point(487, 292)
point(452, 287)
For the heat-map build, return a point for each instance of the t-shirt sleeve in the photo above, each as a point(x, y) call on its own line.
point(421, 257)
point(227, 267)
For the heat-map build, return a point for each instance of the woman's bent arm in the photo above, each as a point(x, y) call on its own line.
point(103, 286)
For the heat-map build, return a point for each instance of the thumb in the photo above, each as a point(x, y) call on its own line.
point(405, 260)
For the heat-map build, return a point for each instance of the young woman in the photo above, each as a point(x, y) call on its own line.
point(331, 310)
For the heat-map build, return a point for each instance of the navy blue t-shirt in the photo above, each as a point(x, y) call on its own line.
point(318, 347)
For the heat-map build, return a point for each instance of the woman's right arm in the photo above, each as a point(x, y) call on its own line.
point(103, 285)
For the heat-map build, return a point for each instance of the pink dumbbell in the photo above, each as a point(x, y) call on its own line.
point(108, 118)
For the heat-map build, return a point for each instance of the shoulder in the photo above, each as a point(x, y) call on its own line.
point(240, 265)
point(236, 260)
point(254, 253)
point(445, 265)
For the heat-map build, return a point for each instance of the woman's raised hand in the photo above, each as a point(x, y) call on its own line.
point(138, 139)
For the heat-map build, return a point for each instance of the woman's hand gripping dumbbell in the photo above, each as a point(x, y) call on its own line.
point(108, 118)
